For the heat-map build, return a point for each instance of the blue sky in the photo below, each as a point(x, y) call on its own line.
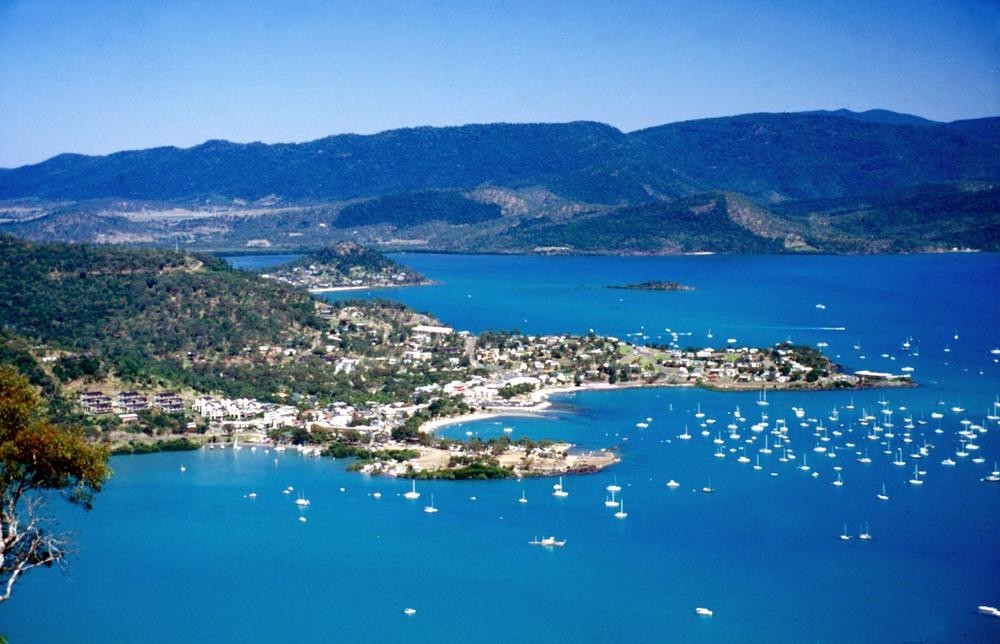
point(95, 77)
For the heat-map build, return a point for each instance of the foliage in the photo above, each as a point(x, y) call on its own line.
point(37, 456)
point(173, 445)
point(700, 223)
point(414, 208)
point(509, 391)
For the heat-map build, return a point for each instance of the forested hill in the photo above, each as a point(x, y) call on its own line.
point(786, 156)
point(134, 307)
point(792, 182)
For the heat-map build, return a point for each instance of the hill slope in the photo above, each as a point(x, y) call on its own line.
point(489, 187)
point(794, 155)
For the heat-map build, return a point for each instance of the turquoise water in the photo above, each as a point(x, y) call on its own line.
point(169, 556)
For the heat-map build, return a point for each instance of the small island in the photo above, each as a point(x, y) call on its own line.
point(655, 285)
point(345, 266)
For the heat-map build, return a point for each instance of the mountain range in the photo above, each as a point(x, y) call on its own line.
point(829, 181)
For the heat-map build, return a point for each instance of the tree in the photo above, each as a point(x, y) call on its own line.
point(36, 457)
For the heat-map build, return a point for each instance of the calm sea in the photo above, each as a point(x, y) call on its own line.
point(188, 556)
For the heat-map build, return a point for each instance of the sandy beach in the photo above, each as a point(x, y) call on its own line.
point(540, 401)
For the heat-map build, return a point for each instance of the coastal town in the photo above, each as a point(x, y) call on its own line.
point(461, 377)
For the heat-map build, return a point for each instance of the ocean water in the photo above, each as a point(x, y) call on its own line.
point(168, 556)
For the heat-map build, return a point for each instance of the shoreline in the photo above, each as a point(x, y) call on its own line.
point(364, 287)
point(541, 404)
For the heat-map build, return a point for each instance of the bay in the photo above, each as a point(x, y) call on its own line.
point(170, 555)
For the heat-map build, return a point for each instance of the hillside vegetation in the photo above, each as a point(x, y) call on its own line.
point(582, 185)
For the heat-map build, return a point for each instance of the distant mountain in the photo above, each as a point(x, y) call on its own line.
point(775, 157)
point(763, 155)
point(489, 187)
point(877, 116)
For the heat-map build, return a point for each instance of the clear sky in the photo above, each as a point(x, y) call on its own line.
point(95, 77)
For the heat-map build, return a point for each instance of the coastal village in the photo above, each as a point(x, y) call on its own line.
point(345, 266)
point(465, 377)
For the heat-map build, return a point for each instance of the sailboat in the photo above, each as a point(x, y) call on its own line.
point(845, 536)
point(685, 436)
point(558, 491)
point(994, 476)
point(412, 494)
point(611, 503)
point(762, 401)
point(865, 536)
point(882, 496)
point(302, 501)
point(916, 480)
point(621, 513)
point(708, 489)
point(839, 482)
point(430, 509)
point(523, 499)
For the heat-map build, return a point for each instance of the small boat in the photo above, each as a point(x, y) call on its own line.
point(412, 494)
point(706, 612)
point(409, 611)
point(989, 610)
point(548, 542)
point(302, 519)
point(994, 476)
point(621, 513)
point(673, 484)
point(376, 495)
point(183, 469)
point(252, 495)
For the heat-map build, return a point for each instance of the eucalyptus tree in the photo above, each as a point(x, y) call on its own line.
point(38, 460)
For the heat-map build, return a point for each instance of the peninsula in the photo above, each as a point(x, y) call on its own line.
point(166, 351)
point(345, 266)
